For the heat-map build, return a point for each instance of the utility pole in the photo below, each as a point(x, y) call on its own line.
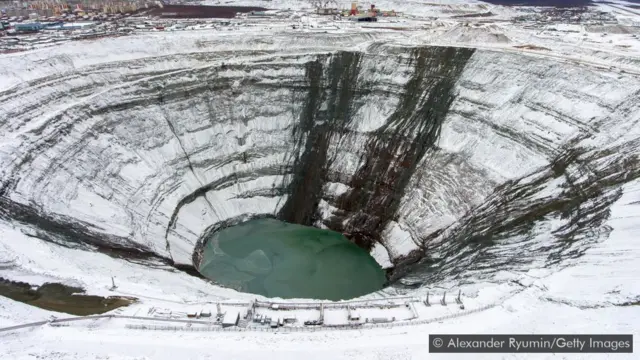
point(459, 299)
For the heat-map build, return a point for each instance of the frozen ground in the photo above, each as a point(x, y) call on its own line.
point(581, 295)
point(521, 314)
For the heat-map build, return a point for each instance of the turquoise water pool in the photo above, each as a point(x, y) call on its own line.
point(278, 259)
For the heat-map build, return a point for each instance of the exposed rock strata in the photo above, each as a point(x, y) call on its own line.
point(434, 154)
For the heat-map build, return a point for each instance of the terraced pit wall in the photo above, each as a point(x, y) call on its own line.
point(437, 158)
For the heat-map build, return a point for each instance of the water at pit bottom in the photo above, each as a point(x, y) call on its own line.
point(277, 259)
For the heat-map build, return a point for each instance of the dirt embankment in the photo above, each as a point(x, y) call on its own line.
point(531, 47)
point(61, 298)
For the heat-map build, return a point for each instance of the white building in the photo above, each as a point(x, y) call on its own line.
point(230, 318)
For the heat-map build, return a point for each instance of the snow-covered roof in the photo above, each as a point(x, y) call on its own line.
point(230, 317)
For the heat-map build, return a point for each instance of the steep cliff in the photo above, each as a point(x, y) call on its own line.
point(442, 160)
point(391, 152)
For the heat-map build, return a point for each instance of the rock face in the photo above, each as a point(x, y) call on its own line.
point(391, 152)
point(439, 159)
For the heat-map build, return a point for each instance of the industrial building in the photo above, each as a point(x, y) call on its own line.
point(327, 11)
point(202, 11)
point(73, 26)
point(354, 315)
point(231, 318)
point(355, 14)
point(28, 27)
point(59, 25)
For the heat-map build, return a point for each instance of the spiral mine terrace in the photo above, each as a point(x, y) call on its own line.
point(449, 164)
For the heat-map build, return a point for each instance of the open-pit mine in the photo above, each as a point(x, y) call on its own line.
point(417, 174)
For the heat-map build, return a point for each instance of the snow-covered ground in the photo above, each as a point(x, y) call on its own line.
point(524, 313)
point(578, 82)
